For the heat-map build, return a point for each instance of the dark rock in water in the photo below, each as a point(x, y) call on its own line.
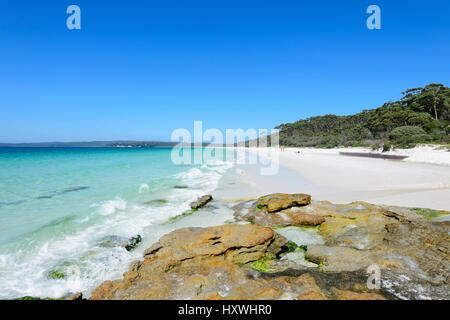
point(133, 242)
point(10, 203)
point(73, 189)
point(44, 197)
point(118, 241)
point(180, 216)
point(114, 241)
point(56, 274)
point(155, 201)
point(61, 192)
point(201, 201)
point(180, 187)
point(75, 297)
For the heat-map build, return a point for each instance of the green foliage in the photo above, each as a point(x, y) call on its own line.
point(386, 146)
point(426, 109)
point(409, 136)
point(404, 131)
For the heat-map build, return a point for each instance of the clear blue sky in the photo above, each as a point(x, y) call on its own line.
point(140, 69)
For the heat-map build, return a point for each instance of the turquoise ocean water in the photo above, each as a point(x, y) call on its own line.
point(59, 206)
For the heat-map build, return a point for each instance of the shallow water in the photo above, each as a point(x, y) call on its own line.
point(301, 236)
point(58, 204)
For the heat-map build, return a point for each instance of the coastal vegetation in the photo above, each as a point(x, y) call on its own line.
point(422, 115)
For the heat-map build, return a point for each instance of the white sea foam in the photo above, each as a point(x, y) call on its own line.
point(79, 254)
point(109, 207)
point(143, 187)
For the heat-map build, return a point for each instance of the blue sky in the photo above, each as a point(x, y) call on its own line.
point(140, 69)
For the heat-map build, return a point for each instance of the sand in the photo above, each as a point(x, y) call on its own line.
point(423, 180)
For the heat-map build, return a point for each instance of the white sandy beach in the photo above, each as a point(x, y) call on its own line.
point(422, 180)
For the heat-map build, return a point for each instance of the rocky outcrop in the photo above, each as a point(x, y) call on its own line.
point(212, 263)
point(278, 209)
point(200, 202)
point(193, 262)
point(279, 201)
point(409, 251)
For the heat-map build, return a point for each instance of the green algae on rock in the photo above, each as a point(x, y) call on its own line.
point(180, 216)
point(430, 214)
point(56, 274)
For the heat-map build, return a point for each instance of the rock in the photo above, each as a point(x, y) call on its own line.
point(340, 259)
point(237, 243)
point(351, 295)
point(56, 274)
point(289, 217)
point(358, 225)
point(201, 201)
point(278, 201)
point(113, 241)
point(311, 295)
point(311, 290)
point(76, 296)
point(279, 209)
point(181, 216)
point(117, 241)
point(207, 263)
point(133, 242)
point(192, 261)
point(250, 261)
point(155, 202)
point(301, 236)
point(411, 252)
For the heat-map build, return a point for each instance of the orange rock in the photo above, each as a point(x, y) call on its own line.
point(311, 295)
point(269, 293)
point(279, 201)
point(351, 295)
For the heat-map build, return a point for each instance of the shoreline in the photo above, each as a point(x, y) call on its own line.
point(327, 175)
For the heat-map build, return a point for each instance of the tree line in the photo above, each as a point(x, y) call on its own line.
point(422, 115)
